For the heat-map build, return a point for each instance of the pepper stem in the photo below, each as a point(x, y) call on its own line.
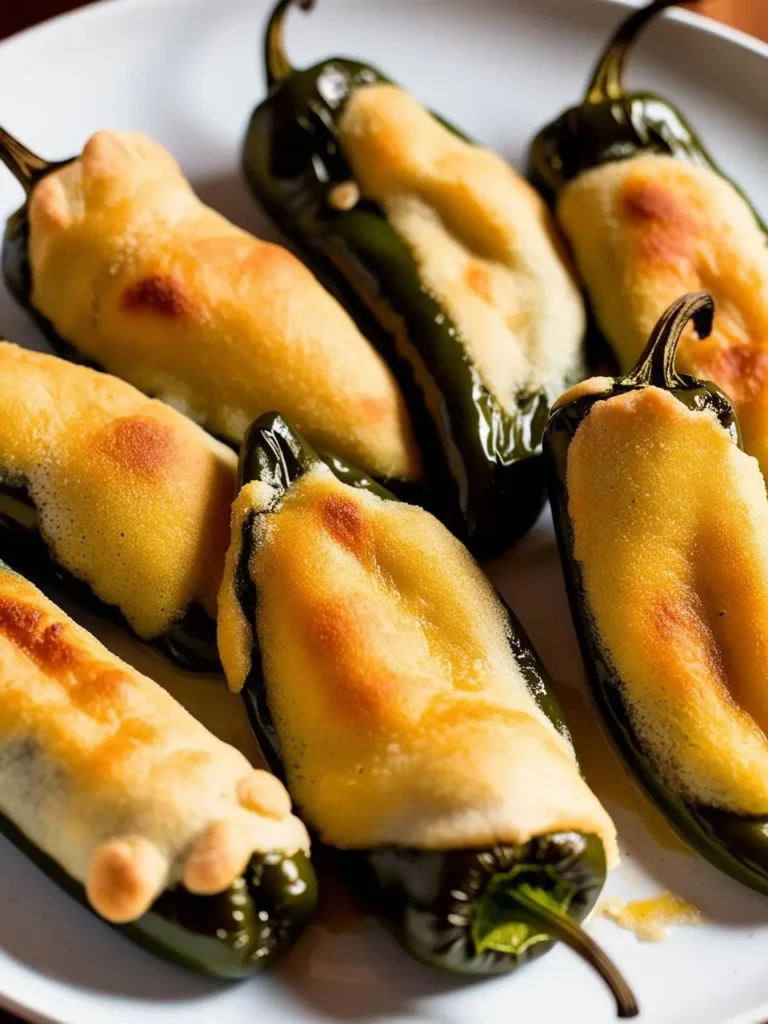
point(537, 909)
point(277, 65)
point(608, 80)
point(26, 167)
point(657, 363)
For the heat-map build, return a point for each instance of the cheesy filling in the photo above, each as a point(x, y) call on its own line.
point(402, 714)
point(480, 235)
point(143, 278)
point(103, 771)
point(131, 497)
point(670, 526)
point(646, 230)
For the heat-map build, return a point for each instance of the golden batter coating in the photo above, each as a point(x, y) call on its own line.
point(105, 773)
point(403, 717)
point(646, 230)
point(670, 526)
point(143, 278)
point(481, 236)
point(131, 497)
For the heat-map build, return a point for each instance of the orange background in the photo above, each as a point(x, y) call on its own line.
point(749, 15)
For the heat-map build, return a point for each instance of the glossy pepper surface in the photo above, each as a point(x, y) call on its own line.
point(480, 910)
point(650, 215)
point(692, 621)
point(482, 452)
point(234, 934)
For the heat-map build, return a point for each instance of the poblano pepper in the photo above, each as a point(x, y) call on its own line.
point(661, 520)
point(126, 269)
point(114, 500)
point(417, 780)
point(138, 812)
point(446, 260)
point(649, 215)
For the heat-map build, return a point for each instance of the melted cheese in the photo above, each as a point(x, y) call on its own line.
point(102, 770)
point(646, 230)
point(402, 714)
point(157, 288)
point(650, 919)
point(670, 525)
point(480, 235)
point(131, 497)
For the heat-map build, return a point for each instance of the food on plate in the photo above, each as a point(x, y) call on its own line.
point(134, 808)
point(412, 720)
point(445, 256)
point(649, 216)
point(127, 269)
point(115, 498)
point(662, 522)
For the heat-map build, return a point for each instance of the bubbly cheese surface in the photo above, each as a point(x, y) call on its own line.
point(646, 230)
point(481, 236)
point(142, 277)
point(131, 497)
point(403, 716)
point(102, 770)
point(670, 526)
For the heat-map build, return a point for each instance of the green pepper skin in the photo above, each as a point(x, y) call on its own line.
point(222, 936)
point(486, 477)
point(736, 845)
point(613, 124)
point(446, 908)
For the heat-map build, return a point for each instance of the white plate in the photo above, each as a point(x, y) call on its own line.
point(187, 72)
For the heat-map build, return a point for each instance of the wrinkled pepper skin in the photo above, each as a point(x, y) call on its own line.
point(222, 936)
point(441, 905)
point(736, 845)
point(487, 481)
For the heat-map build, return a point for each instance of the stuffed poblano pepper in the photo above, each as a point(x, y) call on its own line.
point(134, 808)
point(447, 260)
point(411, 719)
point(126, 269)
point(115, 500)
point(649, 215)
point(662, 521)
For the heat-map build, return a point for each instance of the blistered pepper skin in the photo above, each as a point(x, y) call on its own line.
point(736, 845)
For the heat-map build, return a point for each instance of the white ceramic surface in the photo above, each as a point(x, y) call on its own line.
point(187, 72)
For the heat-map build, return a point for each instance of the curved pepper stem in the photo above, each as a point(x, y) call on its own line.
point(608, 80)
point(536, 908)
point(26, 167)
point(277, 65)
point(657, 363)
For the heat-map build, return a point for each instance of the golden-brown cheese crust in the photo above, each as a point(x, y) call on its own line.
point(670, 526)
point(103, 771)
point(157, 288)
point(131, 497)
point(648, 229)
point(482, 238)
point(403, 717)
